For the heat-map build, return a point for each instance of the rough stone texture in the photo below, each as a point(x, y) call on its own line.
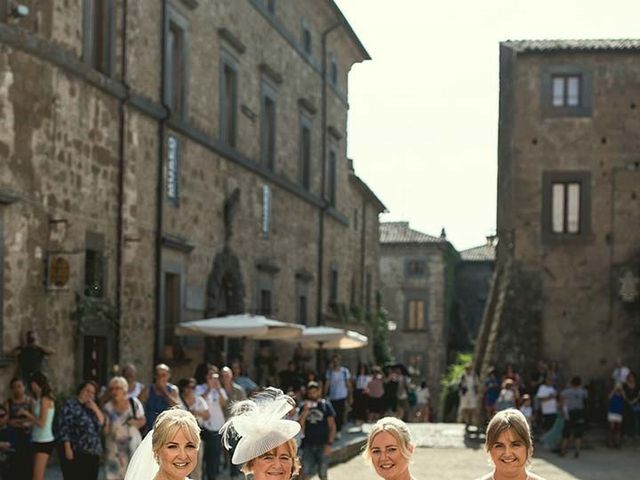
point(560, 299)
point(59, 153)
point(436, 289)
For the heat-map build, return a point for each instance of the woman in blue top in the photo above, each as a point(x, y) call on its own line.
point(614, 415)
point(42, 418)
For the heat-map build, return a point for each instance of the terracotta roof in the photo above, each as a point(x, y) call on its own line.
point(625, 44)
point(483, 253)
point(399, 232)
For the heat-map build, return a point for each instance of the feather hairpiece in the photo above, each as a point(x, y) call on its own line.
point(259, 425)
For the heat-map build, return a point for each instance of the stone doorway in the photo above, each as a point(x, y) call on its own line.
point(225, 296)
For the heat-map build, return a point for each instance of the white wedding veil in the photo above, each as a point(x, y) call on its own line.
point(143, 465)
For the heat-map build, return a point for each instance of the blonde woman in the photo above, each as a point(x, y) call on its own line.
point(389, 449)
point(170, 450)
point(125, 416)
point(264, 441)
point(509, 444)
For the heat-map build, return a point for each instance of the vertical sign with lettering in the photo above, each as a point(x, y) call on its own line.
point(266, 210)
point(173, 170)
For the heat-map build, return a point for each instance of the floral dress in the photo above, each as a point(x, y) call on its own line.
point(122, 439)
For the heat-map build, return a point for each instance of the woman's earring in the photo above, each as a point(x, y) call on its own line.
point(249, 476)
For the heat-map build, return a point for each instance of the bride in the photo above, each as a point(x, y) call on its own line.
point(169, 451)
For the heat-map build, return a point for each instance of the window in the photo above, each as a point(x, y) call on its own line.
point(228, 100)
point(565, 90)
point(305, 153)
point(333, 287)
point(368, 283)
point(333, 71)
point(266, 210)
point(415, 268)
point(271, 6)
point(268, 128)
point(176, 64)
point(302, 309)
point(265, 302)
point(99, 35)
point(306, 39)
point(94, 266)
point(566, 205)
point(171, 311)
point(415, 315)
point(173, 170)
point(333, 167)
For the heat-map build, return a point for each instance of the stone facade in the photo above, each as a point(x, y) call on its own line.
point(417, 274)
point(473, 279)
point(568, 259)
point(151, 172)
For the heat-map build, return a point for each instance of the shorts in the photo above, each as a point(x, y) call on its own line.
point(574, 425)
point(614, 417)
point(43, 447)
point(314, 461)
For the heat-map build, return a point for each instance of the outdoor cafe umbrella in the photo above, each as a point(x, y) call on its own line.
point(242, 325)
point(331, 338)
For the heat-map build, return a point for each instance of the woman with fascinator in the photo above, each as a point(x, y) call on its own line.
point(169, 451)
point(263, 440)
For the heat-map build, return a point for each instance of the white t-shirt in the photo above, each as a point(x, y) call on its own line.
point(548, 407)
point(338, 379)
point(216, 414)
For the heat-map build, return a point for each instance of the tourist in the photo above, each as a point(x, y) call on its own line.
point(509, 444)
point(468, 394)
point(160, 395)
point(125, 417)
point(573, 398)
point(20, 400)
point(389, 449)
point(338, 389)
point(614, 415)
point(42, 439)
point(317, 419)
point(80, 433)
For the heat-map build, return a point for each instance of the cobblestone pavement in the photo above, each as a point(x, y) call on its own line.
point(462, 459)
point(445, 453)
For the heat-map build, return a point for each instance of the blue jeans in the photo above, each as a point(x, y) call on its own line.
point(211, 458)
point(314, 461)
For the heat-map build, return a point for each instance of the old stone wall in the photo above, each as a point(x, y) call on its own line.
point(582, 321)
point(60, 157)
point(429, 344)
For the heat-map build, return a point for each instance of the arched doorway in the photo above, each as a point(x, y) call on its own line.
point(225, 296)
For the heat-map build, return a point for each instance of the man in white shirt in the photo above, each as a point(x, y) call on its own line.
point(547, 396)
point(216, 399)
point(337, 389)
point(620, 373)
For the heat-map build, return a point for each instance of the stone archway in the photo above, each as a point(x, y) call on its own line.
point(225, 296)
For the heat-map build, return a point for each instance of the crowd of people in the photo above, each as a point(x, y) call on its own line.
point(554, 408)
point(104, 425)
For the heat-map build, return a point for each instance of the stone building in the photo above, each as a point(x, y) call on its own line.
point(417, 274)
point(163, 161)
point(568, 220)
point(473, 279)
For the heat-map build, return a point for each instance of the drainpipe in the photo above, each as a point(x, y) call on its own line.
point(160, 185)
point(323, 175)
point(121, 175)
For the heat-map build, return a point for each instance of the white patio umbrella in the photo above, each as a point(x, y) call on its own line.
point(331, 338)
point(243, 325)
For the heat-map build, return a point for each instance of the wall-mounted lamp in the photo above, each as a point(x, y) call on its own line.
point(19, 10)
